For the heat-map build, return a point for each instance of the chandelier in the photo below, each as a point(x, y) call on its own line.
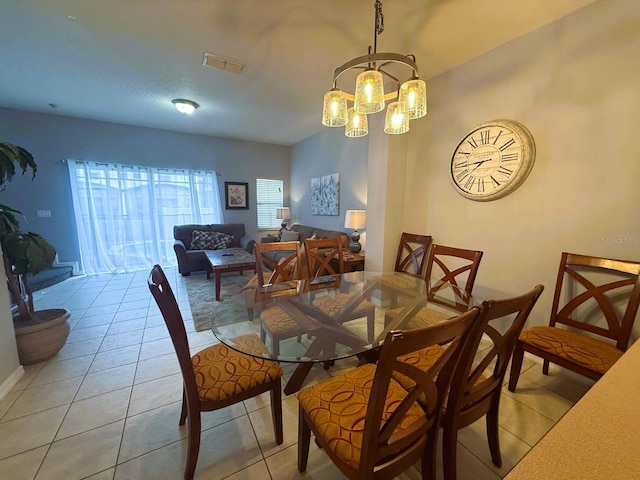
point(369, 97)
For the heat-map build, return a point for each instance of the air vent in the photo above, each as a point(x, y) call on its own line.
point(223, 63)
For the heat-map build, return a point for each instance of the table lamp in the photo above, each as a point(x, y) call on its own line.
point(284, 214)
point(355, 219)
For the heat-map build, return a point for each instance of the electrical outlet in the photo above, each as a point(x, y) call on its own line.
point(43, 213)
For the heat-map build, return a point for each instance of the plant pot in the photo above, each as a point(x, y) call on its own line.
point(40, 340)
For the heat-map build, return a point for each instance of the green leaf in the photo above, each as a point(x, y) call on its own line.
point(28, 252)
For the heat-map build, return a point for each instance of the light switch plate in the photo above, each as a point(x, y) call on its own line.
point(43, 213)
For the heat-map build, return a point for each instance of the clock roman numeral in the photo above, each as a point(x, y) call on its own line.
point(497, 137)
point(461, 152)
point(505, 171)
point(480, 185)
point(472, 142)
point(462, 175)
point(509, 157)
point(484, 137)
point(507, 145)
point(495, 182)
point(469, 183)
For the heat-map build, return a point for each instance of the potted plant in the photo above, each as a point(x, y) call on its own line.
point(40, 334)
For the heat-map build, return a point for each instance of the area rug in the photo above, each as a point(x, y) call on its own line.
point(202, 295)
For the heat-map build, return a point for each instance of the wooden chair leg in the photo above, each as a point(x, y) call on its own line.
point(276, 410)
point(194, 445)
point(493, 429)
point(429, 458)
point(183, 413)
point(516, 366)
point(449, 451)
point(304, 438)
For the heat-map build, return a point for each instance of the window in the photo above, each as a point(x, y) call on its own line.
point(125, 214)
point(269, 197)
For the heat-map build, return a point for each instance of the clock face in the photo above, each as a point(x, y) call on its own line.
point(492, 160)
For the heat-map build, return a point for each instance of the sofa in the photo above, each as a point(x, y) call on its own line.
point(305, 232)
point(195, 260)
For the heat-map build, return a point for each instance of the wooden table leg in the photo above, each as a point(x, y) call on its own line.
point(218, 273)
point(297, 378)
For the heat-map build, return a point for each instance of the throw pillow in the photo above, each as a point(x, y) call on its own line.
point(222, 240)
point(202, 240)
point(289, 236)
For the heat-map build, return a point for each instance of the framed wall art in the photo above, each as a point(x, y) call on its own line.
point(236, 195)
point(325, 195)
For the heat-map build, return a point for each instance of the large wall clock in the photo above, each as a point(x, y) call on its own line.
point(492, 160)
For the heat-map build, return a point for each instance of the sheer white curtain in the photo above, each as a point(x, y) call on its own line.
point(125, 214)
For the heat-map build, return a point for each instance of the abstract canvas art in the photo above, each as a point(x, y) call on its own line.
point(325, 194)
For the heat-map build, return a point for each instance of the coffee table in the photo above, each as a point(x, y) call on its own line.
point(229, 260)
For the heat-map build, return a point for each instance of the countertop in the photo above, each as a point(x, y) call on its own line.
point(599, 438)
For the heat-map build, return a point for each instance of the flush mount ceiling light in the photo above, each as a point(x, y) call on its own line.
point(185, 106)
point(369, 96)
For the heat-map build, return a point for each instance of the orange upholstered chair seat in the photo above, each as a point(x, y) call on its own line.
point(278, 322)
point(332, 303)
point(402, 282)
point(578, 348)
point(338, 406)
point(222, 372)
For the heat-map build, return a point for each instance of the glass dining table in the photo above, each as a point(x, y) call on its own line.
point(335, 316)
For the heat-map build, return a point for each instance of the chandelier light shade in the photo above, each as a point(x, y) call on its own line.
point(396, 122)
point(334, 111)
point(185, 106)
point(368, 95)
point(413, 98)
point(357, 126)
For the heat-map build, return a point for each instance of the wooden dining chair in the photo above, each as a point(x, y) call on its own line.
point(477, 381)
point(447, 268)
point(371, 427)
point(216, 376)
point(325, 262)
point(594, 307)
point(411, 259)
point(275, 323)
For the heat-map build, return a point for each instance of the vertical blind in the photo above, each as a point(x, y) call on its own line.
point(269, 197)
point(125, 214)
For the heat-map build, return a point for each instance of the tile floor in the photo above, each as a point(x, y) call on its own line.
point(107, 406)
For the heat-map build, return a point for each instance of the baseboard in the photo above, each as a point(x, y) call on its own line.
point(73, 265)
point(10, 382)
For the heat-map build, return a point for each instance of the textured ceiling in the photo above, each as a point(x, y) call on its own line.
point(124, 61)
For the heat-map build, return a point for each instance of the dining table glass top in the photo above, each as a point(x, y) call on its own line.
point(337, 316)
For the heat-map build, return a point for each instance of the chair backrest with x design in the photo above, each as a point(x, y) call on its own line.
point(599, 298)
point(456, 267)
point(412, 254)
point(282, 267)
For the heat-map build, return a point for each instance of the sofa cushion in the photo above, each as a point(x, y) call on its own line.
point(289, 236)
point(209, 240)
point(184, 232)
point(202, 240)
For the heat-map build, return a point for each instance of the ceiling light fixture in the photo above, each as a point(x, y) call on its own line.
point(185, 106)
point(369, 96)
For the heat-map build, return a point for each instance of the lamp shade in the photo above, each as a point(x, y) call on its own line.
point(283, 213)
point(369, 96)
point(413, 98)
point(357, 126)
point(355, 219)
point(334, 110)
point(396, 121)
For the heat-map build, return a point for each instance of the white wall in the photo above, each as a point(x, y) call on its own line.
point(574, 85)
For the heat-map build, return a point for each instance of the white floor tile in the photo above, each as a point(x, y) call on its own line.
point(94, 412)
point(54, 372)
point(26, 433)
point(82, 455)
point(156, 393)
point(107, 381)
point(38, 399)
point(157, 367)
point(23, 466)
point(115, 358)
point(120, 340)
